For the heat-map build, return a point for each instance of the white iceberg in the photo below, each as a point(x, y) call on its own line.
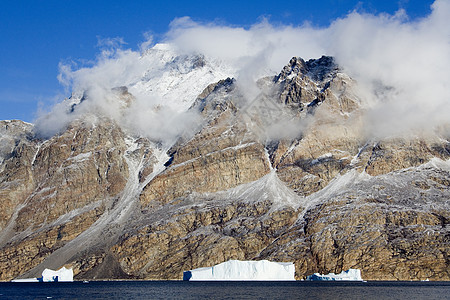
point(62, 275)
point(349, 275)
point(236, 270)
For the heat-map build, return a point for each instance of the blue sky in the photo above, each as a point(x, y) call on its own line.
point(35, 36)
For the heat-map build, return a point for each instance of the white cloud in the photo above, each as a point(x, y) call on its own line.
point(401, 65)
point(267, 45)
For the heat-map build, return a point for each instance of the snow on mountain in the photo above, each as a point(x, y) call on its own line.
point(12, 131)
point(178, 79)
point(162, 76)
point(149, 93)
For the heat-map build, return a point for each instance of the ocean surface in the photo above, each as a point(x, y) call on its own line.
point(225, 290)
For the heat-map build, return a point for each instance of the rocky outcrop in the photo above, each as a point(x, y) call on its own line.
point(20, 255)
point(203, 230)
point(210, 173)
point(390, 155)
point(16, 155)
point(334, 134)
point(376, 225)
point(55, 189)
point(83, 165)
point(222, 155)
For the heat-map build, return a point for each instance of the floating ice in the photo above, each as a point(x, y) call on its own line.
point(243, 270)
point(62, 275)
point(349, 275)
point(26, 280)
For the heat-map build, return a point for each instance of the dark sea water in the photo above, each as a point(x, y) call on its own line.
point(225, 290)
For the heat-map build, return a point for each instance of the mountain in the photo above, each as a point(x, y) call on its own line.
point(289, 174)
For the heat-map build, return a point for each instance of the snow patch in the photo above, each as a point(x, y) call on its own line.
point(439, 164)
point(36, 153)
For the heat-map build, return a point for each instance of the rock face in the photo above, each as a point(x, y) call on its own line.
point(204, 230)
point(17, 152)
point(113, 204)
point(64, 187)
point(391, 227)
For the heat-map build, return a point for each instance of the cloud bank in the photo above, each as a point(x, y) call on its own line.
point(401, 65)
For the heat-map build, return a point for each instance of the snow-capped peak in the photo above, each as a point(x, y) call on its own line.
point(160, 84)
point(177, 79)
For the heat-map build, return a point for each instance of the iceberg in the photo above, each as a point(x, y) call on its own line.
point(62, 275)
point(349, 275)
point(236, 270)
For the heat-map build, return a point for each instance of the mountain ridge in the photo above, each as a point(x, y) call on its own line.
point(287, 176)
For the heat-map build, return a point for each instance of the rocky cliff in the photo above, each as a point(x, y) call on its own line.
point(290, 175)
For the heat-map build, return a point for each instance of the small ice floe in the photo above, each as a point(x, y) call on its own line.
point(26, 280)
